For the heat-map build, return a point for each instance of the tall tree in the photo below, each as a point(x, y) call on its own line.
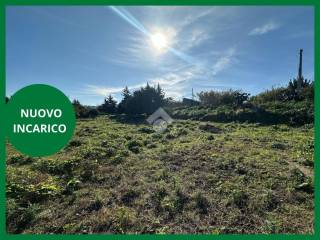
point(126, 93)
point(109, 105)
point(122, 107)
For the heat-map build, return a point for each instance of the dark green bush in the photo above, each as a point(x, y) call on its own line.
point(202, 203)
point(19, 217)
point(134, 146)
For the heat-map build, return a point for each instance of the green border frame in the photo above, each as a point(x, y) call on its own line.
point(4, 3)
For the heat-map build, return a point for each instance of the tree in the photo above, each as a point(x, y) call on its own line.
point(160, 96)
point(78, 108)
point(296, 92)
point(126, 93)
point(145, 100)
point(82, 111)
point(123, 104)
point(7, 99)
point(109, 105)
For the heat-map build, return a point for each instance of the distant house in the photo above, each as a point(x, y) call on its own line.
point(190, 102)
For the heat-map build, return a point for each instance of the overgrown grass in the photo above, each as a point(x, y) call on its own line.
point(195, 177)
point(276, 112)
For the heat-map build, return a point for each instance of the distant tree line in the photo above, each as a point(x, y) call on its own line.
point(291, 103)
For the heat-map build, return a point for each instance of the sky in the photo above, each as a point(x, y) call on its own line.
point(89, 52)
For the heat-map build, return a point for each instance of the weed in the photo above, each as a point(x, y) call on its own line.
point(124, 218)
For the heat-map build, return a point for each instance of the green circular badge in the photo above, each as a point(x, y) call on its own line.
point(41, 120)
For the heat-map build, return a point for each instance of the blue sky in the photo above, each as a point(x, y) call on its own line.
point(90, 52)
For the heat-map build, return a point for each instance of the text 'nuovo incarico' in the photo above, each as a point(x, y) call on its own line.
point(40, 128)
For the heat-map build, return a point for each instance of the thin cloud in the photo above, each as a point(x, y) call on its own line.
point(105, 91)
point(268, 27)
point(196, 15)
point(223, 62)
point(195, 38)
point(177, 84)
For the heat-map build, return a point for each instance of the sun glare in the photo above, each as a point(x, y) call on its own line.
point(159, 41)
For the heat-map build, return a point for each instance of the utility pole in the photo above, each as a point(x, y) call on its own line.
point(300, 77)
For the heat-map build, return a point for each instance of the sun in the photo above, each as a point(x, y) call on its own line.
point(159, 41)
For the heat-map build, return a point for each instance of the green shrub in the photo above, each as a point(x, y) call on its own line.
point(297, 176)
point(240, 199)
point(146, 130)
point(56, 167)
point(134, 146)
point(279, 146)
point(20, 159)
point(123, 219)
point(96, 153)
point(19, 217)
point(31, 193)
point(180, 200)
point(202, 203)
point(128, 197)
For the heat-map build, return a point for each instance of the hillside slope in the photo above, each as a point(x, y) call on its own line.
point(196, 177)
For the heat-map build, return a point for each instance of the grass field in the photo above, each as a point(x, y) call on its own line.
point(196, 177)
